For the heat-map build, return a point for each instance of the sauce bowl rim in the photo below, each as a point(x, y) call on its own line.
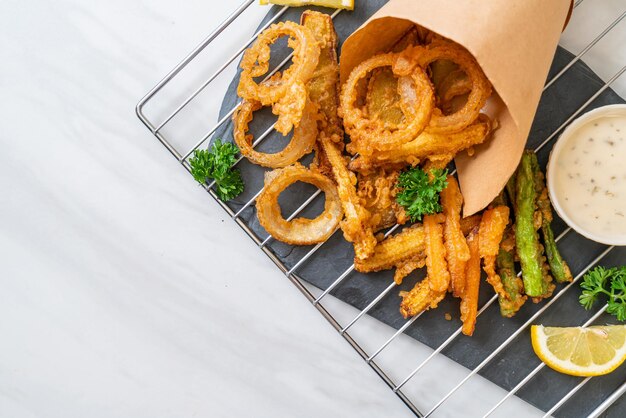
point(571, 129)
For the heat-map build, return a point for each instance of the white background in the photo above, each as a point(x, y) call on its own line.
point(124, 291)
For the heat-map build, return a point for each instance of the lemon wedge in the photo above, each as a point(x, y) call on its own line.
point(335, 4)
point(578, 351)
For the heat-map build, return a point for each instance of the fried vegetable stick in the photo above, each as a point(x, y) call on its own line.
point(323, 87)
point(427, 144)
point(457, 251)
point(436, 264)
point(505, 263)
point(559, 268)
point(529, 250)
point(419, 299)
point(395, 250)
point(491, 232)
point(469, 301)
point(323, 90)
point(513, 285)
point(356, 225)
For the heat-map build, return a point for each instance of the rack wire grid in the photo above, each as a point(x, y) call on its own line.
point(157, 129)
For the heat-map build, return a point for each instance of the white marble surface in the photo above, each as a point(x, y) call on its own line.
point(124, 291)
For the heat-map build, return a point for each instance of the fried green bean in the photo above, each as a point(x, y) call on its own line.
point(513, 285)
point(559, 268)
point(529, 250)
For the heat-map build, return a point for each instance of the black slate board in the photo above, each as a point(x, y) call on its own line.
point(558, 103)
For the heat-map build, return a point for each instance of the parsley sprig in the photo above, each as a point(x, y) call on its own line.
point(610, 282)
point(419, 194)
point(217, 165)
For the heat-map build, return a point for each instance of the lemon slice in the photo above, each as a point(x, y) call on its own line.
point(335, 4)
point(578, 351)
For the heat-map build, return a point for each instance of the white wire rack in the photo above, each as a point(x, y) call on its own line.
point(157, 128)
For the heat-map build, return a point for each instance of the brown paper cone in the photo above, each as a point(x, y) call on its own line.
point(514, 42)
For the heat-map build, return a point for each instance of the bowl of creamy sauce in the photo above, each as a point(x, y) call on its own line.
point(587, 175)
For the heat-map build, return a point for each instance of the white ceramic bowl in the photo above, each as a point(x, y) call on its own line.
point(610, 110)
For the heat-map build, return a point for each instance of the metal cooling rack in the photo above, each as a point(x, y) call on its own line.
point(157, 128)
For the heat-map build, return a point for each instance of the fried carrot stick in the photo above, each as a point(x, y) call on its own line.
point(491, 232)
point(457, 251)
point(505, 263)
point(436, 264)
point(469, 302)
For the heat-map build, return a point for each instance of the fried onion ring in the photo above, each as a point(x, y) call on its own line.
point(417, 101)
point(288, 96)
point(420, 56)
point(299, 231)
point(301, 143)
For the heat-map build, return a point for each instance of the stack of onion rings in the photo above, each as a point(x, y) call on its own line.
point(416, 94)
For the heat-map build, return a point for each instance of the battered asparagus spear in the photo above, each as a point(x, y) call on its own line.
point(513, 285)
point(558, 266)
point(529, 250)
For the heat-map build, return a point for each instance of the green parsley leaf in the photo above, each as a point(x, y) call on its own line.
point(608, 281)
point(418, 194)
point(217, 165)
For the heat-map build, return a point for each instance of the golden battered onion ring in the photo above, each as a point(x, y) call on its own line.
point(417, 102)
point(301, 143)
point(481, 88)
point(289, 95)
point(299, 231)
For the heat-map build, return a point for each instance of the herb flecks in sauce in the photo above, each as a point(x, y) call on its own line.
point(586, 180)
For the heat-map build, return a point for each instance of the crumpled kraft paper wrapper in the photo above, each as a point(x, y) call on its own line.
point(514, 42)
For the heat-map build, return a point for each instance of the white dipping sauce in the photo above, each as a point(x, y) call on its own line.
point(590, 177)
